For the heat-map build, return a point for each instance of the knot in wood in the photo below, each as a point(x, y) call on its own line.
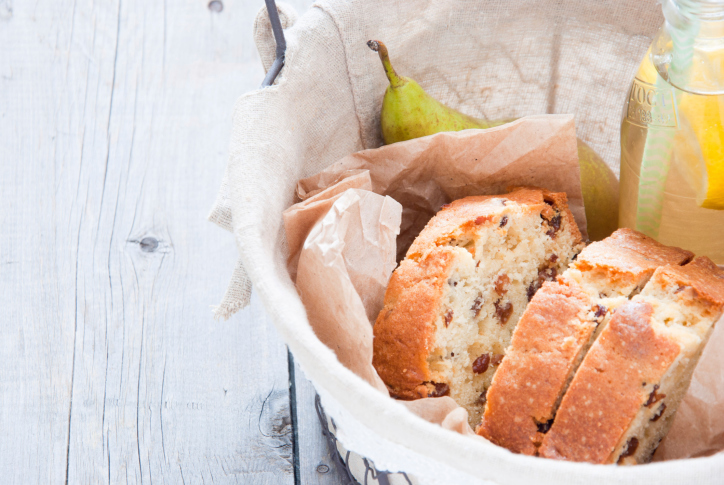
point(322, 468)
point(148, 244)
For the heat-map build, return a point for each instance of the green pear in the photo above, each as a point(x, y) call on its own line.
point(409, 112)
point(600, 193)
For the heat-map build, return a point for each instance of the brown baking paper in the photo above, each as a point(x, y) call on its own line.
point(425, 173)
point(344, 266)
point(360, 215)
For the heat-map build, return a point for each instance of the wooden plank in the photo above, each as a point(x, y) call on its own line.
point(114, 123)
point(316, 463)
point(43, 200)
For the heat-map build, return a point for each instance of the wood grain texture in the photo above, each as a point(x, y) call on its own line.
point(316, 463)
point(114, 123)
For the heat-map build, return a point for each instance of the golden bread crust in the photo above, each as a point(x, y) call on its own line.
point(701, 279)
point(462, 215)
point(527, 386)
point(404, 329)
point(608, 389)
point(627, 255)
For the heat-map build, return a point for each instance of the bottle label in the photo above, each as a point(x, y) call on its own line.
point(651, 106)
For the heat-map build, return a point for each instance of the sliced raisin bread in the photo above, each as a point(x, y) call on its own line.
point(622, 399)
point(452, 304)
point(558, 328)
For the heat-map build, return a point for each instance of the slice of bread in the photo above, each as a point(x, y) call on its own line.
point(452, 304)
point(622, 400)
point(527, 387)
point(556, 331)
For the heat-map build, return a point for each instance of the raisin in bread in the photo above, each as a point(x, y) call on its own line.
point(556, 330)
point(452, 304)
point(622, 399)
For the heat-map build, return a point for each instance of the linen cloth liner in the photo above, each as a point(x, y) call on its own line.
point(494, 59)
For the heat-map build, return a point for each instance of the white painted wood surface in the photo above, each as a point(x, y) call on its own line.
point(114, 123)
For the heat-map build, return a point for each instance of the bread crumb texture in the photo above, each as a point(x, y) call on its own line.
point(452, 304)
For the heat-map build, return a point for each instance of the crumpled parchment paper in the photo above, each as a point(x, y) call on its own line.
point(357, 218)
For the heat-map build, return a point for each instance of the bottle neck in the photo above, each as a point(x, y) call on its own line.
point(688, 52)
point(702, 10)
point(702, 18)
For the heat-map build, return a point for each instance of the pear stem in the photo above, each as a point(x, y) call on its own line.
point(377, 46)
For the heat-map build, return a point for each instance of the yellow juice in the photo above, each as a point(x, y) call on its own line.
point(691, 213)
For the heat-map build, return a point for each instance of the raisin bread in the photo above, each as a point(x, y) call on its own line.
point(558, 328)
point(622, 399)
point(452, 304)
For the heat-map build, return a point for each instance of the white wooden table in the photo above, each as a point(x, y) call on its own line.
point(115, 117)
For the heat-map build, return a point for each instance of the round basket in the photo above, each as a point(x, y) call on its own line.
point(495, 59)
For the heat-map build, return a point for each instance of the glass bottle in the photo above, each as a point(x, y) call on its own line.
point(672, 133)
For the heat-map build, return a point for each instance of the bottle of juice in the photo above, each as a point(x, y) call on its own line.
point(672, 134)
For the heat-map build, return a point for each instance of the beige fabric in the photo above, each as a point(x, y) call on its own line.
point(495, 58)
point(263, 35)
point(237, 295)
